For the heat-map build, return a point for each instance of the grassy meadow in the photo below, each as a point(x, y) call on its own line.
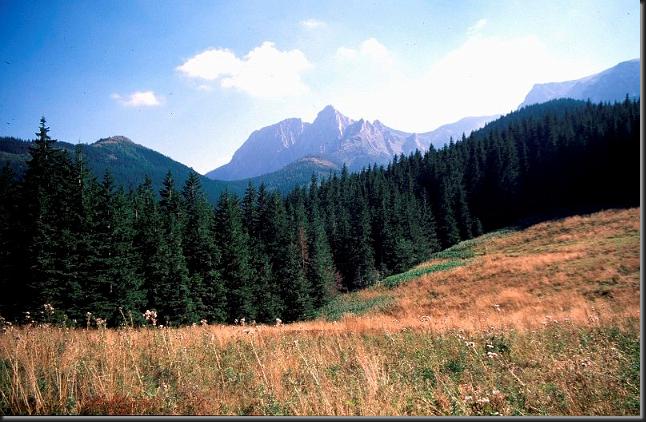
point(541, 321)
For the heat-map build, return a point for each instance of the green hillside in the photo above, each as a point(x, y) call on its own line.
point(129, 163)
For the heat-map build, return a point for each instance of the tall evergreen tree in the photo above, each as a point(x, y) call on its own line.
point(236, 268)
point(175, 304)
point(321, 271)
point(149, 241)
point(202, 255)
point(47, 241)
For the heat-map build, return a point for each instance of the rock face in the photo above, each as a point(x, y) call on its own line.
point(610, 85)
point(266, 150)
point(333, 137)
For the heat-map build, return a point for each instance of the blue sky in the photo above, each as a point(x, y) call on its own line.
point(192, 79)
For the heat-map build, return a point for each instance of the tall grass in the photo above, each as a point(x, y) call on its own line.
point(397, 279)
point(544, 321)
point(561, 370)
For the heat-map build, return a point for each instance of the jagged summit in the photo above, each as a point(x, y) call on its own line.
point(332, 136)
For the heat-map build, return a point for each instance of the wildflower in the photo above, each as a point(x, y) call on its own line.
point(101, 323)
point(242, 321)
point(203, 322)
point(49, 309)
point(279, 322)
point(150, 316)
point(235, 321)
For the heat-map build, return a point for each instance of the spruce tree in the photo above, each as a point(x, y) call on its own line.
point(149, 241)
point(47, 239)
point(175, 305)
point(363, 272)
point(320, 269)
point(115, 285)
point(202, 255)
point(235, 260)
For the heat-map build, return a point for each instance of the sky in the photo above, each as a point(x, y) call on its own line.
point(192, 79)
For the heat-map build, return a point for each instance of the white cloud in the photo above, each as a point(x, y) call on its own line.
point(345, 53)
point(138, 99)
point(312, 23)
point(485, 75)
point(375, 50)
point(211, 64)
point(369, 49)
point(476, 27)
point(263, 72)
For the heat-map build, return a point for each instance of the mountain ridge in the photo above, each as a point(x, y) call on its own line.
point(611, 84)
point(128, 162)
point(336, 138)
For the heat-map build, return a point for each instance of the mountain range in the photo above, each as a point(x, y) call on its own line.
point(287, 153)
point(336, 138)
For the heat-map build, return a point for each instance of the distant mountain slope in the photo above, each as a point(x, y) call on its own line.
point(298, 173)
point(336, 138)
point(442, 134)
point(129, 163)
point(610, 85)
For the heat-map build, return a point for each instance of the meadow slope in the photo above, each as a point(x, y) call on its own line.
point(540, 321)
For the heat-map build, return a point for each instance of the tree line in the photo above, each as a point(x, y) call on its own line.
point(82, 245)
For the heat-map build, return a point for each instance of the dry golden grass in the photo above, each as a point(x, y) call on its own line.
point(579, 269)
point(563, 340)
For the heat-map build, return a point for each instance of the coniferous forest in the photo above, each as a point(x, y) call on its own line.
point(82, 245)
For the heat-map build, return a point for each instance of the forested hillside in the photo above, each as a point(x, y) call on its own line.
point(82, 245)
point(128, 162)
